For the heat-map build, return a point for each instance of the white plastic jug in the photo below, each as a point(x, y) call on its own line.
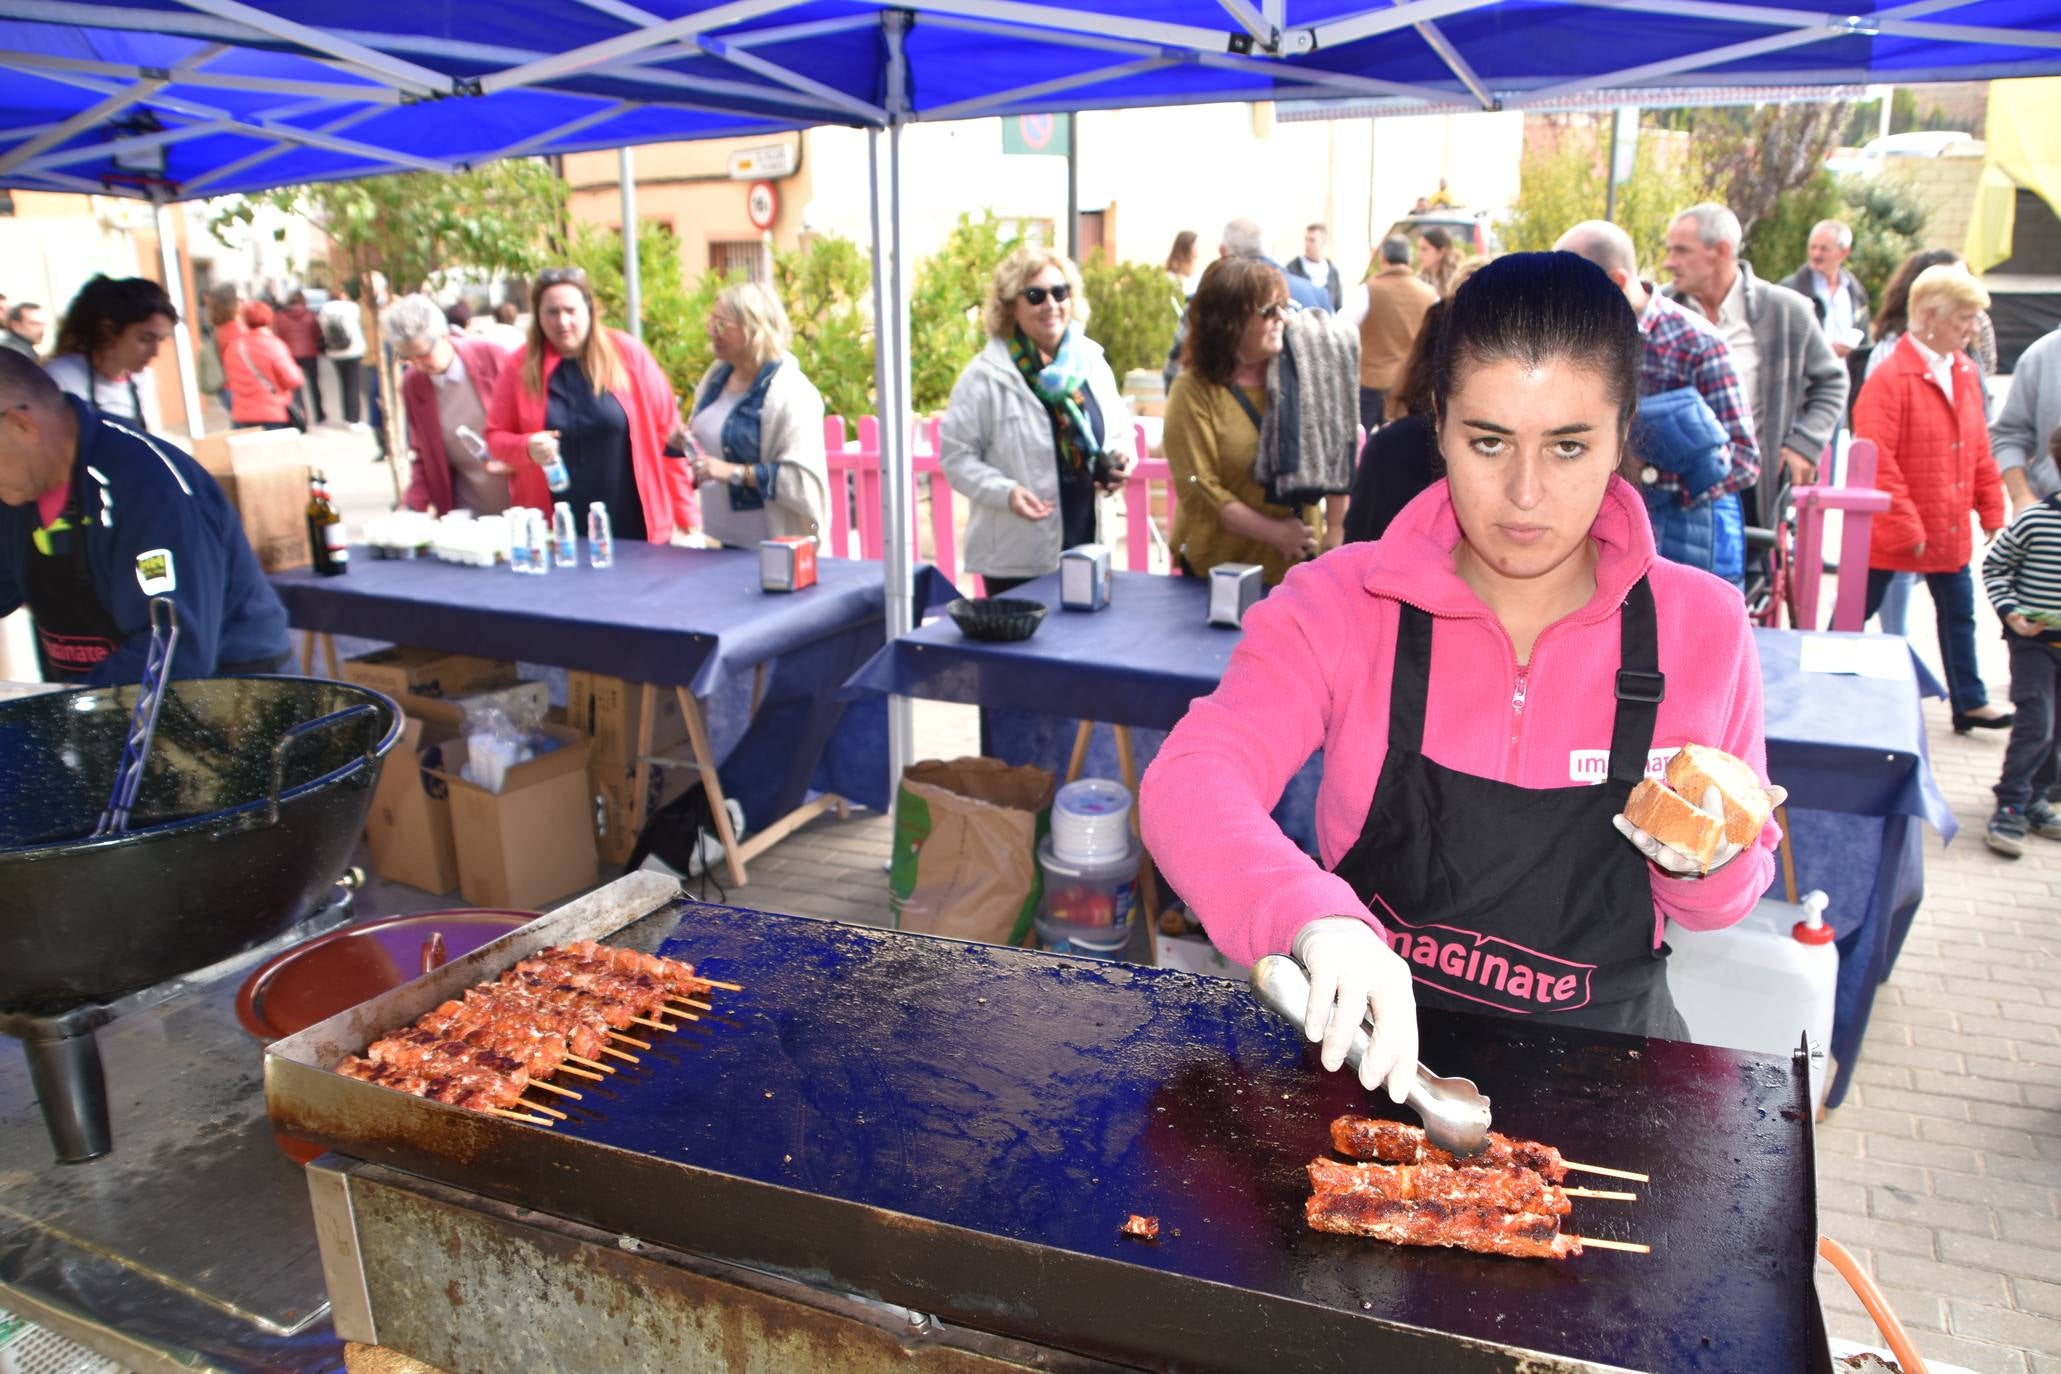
point(1763, 984)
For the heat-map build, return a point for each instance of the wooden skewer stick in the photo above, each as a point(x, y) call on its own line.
point(620, 1055)
point(521, 1116)
point(590, 1063)
point(1601, 1194)
point(690, 1002)
point(1610, 1173)
point(675, 1011)
point(540, 1107)
point(1590, 1242)
point(580, 1073)
point(554, 1088)
point(726, 987)
point(648, 1021)
point(629, 1040)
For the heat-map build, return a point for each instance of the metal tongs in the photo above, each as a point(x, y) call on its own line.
point(1454, 1111)
point(150, 695)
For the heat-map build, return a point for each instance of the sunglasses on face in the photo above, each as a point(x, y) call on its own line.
point(1278, 310)
point(1036, 294)
point(562, 276)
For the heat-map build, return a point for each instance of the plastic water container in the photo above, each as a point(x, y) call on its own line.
point(1087, 908)
point(1761, 985)
point(1091, 822)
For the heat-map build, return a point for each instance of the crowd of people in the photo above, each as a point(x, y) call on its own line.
point(1301, 413)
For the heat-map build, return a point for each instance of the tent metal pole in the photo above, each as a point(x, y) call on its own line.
point(891, 387)
point(1073, 186)
point(633, 291)
point(182, 333)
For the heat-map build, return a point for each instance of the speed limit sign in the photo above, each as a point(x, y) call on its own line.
point(762, 203)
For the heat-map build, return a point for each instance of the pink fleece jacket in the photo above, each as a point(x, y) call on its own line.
point(1313, 672)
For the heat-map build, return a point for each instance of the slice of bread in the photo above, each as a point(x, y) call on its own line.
point(1674, 820)
point(1746, 801)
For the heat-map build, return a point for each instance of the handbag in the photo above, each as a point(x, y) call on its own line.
point(296, 413)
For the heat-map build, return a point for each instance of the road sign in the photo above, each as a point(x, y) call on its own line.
point(765, 160)
point(1038, 135)
point(762, 203)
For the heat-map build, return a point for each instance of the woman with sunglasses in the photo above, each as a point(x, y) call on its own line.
point(1488, 681)
point(1035, 424)
point(594, 398)
point(758, 427)
point(1213, 416)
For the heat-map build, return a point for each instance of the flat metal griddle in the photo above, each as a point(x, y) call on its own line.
point(962, 1128)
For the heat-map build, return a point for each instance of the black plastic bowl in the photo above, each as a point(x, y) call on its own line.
point(997, 619)
point(249, 807)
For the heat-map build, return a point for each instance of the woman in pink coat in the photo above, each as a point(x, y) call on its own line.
point(1488, 681)
point(1923, 408)
point(262, 375)
point(596, 400)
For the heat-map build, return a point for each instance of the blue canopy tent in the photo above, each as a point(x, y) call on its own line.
point(171, 99)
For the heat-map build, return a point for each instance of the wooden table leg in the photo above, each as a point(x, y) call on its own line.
point(329, 654)
point(307, 653)
point(712, 788)
point(640, 777)
point(1148, 873)
point(328, 642)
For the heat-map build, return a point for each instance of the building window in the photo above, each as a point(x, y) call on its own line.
point(745, 258)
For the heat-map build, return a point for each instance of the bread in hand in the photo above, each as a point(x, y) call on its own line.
point(1698, 767)
point(1675, 821)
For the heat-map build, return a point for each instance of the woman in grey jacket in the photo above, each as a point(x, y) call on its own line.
point(1035, 425)
point(757, 427)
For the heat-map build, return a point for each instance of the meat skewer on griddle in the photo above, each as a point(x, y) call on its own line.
point(1359, 1201)
point(1391, 1142)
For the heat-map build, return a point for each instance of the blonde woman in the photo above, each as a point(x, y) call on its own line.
point(757, 427)
point(1035, 424)
point(595, 399)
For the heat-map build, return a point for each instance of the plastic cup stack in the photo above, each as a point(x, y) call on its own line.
point(1091, 822)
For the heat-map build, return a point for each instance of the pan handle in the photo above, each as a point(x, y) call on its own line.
point(292, 738)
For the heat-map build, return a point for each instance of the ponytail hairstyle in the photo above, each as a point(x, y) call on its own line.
point(1535, 308)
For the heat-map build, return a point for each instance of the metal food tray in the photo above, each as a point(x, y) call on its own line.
point(960, 1129)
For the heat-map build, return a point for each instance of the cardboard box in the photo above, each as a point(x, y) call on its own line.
point(402, 671)
point(606, 710)
point(533, 842)
point(264, 473)
point(523, 701)
point(409, 826)
point(614, 785)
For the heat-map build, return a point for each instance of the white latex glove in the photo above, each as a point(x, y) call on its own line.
point(1352, 975)
point(1673, 861)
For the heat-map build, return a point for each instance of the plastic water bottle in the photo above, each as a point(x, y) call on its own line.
point(555, 475)
point(565, 541)
point(518, 539)
point(600, 538)
point(540, 544)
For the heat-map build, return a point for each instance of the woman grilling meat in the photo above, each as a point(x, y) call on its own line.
point(1487, 681)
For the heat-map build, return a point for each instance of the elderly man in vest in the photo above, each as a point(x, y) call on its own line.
point(1794, 383)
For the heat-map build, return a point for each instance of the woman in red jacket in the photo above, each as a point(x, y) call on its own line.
point(1923, 408)
point(593, 398)
point(262, 375)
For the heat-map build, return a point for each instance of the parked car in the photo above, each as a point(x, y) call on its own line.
point(1869, 157)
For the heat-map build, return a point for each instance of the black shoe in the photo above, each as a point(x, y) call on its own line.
point(2043, 819)
point(2006, 834)
point(1963, 722)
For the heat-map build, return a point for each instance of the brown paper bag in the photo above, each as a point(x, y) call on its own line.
point(966, 849)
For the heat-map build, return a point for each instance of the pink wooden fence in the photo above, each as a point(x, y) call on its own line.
point(855, 488)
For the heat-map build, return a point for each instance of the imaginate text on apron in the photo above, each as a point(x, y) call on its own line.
point(1518, 901)
point(74, 631)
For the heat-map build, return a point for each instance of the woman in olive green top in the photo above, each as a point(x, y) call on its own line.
point(1213, 419)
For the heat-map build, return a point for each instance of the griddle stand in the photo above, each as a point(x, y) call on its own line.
point(461, 1281)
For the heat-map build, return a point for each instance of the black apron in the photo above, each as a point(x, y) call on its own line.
point(74, 631)
point(1518, 901)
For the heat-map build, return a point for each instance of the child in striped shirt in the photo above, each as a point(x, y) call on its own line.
point(2022, 574)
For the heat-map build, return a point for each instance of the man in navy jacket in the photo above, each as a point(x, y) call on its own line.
point(98, 519)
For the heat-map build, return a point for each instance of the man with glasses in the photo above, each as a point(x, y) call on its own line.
point(446, 393)
point(96, 520)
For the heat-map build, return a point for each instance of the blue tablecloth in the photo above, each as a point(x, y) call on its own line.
point(692, 618)
point(1850, 749)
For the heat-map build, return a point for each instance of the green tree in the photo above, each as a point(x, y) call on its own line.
point(505, 217)
point(1888, 217)
point(1779, 243)
point(1560, 189)
point(827, 288)
point(1780, 150)
point(1132, 310)
point(944, 312)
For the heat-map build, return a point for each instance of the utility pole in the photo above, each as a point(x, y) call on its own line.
point(1073, 186)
